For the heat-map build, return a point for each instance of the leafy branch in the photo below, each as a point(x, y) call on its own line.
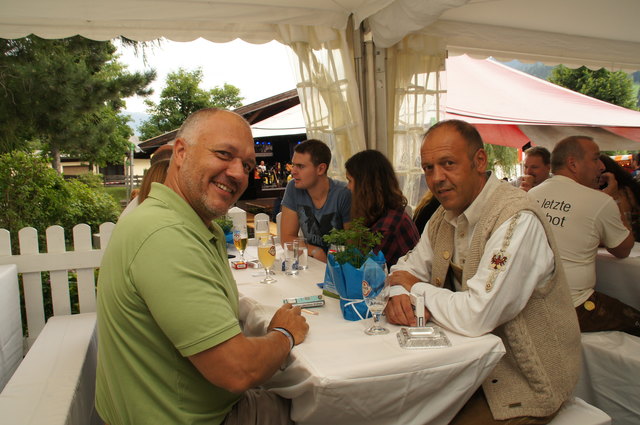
point(354, 244)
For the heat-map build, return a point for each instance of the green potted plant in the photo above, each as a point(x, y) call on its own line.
point(343, 278)
point(226, 225)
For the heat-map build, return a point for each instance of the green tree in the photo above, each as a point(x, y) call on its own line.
point(504, 157)
point(182, 96)
point(613, 87)
point(65, 96)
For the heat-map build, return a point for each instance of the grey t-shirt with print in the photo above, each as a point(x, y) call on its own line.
point(316, 222)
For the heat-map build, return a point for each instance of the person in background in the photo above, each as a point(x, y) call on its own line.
point(156, 173)
point(537, 165)
point(583, 218)
point(636, 166)
point(312, 201)
point(376, 196)
point(626, 195)
point(489, 244)
point(424, 210)
point(134, 194)
point(171, 347)
point(162, 153)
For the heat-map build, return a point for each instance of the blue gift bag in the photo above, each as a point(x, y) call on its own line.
point(347, 281)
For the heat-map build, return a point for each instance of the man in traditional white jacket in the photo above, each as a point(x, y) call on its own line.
point(487, 262)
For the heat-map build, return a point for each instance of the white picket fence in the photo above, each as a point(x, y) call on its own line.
point(83, 260)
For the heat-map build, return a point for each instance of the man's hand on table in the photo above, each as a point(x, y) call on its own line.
point(399, 310)
point(290, 318)
point(317, 253)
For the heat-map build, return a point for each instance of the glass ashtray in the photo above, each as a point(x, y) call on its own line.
point(422, 337)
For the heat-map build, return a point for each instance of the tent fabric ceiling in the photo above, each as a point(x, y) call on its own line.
point(591, 32)
point(510, 108)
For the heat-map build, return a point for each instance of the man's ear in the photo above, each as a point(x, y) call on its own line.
point(179, 151)
point(480, 160)
point(572, 164)
point(322, 169)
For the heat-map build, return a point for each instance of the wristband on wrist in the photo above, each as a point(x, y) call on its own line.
point(286, 333)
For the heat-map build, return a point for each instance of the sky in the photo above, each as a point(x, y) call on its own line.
point(258, 70)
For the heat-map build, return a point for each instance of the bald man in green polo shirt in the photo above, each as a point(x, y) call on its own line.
point(170, 347)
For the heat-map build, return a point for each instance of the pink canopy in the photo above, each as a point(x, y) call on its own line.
point(512, 108)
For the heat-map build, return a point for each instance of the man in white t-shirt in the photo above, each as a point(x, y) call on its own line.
point(582, 218)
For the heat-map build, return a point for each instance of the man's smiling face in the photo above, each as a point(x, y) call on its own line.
point(215, 167)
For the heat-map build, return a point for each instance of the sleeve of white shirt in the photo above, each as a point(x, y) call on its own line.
point(477, 311)
point(609, 224)
point(417, 262)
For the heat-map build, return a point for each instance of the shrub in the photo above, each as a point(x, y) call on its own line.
point(33, 194)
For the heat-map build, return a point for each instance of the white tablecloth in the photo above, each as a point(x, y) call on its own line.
point(10, 323)
point(611, 368)
point(611, 375)
point(619, 277)
point(339, 375)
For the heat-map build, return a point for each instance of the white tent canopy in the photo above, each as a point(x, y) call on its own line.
point(368, 71)
point(590, 32)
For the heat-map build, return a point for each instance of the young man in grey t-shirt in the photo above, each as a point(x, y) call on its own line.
point(312, 201)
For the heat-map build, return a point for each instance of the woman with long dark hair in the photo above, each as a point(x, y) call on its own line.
point(627, 195)
point(376, 196)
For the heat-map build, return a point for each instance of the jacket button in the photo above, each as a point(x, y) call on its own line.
point(438, 281)
point(446, 255)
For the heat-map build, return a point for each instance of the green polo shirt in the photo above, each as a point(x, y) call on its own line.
point(165, 292)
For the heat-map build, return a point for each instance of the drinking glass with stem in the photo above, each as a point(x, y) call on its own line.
point(240, 240)
point(261, 228)
point(375, 291)
point(267, 256)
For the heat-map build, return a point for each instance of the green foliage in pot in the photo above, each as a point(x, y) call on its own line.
point(225, 223)
point(354, 244)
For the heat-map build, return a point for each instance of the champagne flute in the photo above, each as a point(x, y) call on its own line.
point(375, 291)
point(267, 256)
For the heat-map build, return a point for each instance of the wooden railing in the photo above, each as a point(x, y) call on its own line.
point(121, 180)
point(83, 260)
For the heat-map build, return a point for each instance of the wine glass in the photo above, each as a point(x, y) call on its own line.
point(240, 241)
point(375, 291)
point(267, 256)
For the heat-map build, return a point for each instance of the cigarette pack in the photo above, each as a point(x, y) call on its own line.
point(254, 264)
point(305, 302)
point(238, 264)
point(417, 303)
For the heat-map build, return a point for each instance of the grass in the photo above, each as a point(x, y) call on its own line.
point(119, 193)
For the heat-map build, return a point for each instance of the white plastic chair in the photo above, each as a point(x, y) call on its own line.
point(260, 216)
point(579, 412)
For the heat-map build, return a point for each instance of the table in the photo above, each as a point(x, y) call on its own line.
point(611, 368)
point(339, 375)
point(619, 277)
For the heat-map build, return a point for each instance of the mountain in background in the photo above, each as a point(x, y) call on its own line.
point(537, 69)
point(136, 118)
